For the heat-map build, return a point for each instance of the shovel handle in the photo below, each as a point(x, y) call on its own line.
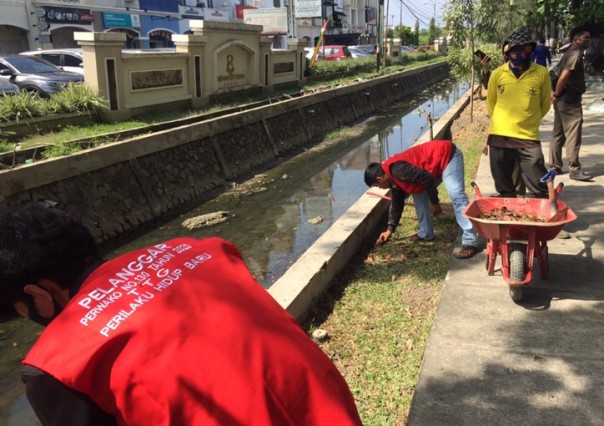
point(476, 190)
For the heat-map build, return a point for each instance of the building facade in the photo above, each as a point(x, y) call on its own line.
point(45, 24)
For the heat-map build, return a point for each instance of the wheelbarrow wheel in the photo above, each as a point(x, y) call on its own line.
point(517, 270)
point(516, 293)
point(517, 262)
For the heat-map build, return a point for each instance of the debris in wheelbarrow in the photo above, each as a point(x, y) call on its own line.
point(504, 213)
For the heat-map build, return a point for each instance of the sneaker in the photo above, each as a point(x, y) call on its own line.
point(580, 175)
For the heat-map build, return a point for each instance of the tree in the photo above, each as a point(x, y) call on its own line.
point(432, 31)
point(404, 34)
point(416, 33)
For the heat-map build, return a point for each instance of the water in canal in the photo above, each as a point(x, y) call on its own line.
point(271, 226)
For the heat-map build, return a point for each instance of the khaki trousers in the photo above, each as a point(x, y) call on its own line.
point(568, 123)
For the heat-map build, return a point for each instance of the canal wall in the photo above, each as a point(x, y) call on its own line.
point(119, 187)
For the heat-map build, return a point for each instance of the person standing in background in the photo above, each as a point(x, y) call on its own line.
point(568, 113)
point(542, 55)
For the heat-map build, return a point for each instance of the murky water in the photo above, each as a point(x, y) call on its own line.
point(270, 228)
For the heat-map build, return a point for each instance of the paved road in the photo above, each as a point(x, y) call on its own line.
point(490, 361)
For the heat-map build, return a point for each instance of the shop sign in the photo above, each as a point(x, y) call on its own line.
point(44, 38)
point(117, 20)
point(63, 15)
point(43, 26)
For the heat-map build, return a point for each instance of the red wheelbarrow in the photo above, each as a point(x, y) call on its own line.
point(518, 243)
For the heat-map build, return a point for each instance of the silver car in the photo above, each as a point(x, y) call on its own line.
point(8, 88)
point(35, 75)
point(67, 59)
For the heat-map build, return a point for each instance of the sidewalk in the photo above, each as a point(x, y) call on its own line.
point(490, 361)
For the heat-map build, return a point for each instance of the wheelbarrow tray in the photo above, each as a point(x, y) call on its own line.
point(540, 207)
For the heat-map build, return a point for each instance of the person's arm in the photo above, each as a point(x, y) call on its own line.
point(486, 72)
point(548, 56)
point(546, 89)
point(57, 405)
point(397, 205)
point(405, 172)
point(560, 85)
point(492, 92)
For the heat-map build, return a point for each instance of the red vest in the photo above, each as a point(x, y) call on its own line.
point(181, 334)
point(433, 157)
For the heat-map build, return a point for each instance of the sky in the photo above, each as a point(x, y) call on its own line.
point(423, 9)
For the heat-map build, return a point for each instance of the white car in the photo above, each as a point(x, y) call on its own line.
point(68, 59)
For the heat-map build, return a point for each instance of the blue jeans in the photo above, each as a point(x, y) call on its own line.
point(453, 178)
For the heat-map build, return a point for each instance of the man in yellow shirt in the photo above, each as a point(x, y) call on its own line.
point(519, 95)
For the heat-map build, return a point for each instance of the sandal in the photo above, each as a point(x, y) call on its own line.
point(416, 237)
point(465, 252)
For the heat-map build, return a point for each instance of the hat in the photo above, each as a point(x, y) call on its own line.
point(520, 38)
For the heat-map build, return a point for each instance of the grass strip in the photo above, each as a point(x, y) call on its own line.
point(379, 311)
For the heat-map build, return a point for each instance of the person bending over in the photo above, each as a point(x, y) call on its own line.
point(418, 171)
point(177, 333)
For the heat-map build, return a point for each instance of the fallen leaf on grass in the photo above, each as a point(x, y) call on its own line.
point(409, 345)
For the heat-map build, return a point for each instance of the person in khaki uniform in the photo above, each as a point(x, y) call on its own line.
point(568, 113)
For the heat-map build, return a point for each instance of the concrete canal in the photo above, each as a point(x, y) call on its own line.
point(272, 218)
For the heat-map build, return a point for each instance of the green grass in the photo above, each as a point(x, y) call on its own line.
point(379, 311)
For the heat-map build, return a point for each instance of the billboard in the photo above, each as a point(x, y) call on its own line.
point(273, 20)
point(307, 8)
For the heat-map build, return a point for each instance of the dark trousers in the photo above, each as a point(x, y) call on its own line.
point(532, 169)
point(568, 123)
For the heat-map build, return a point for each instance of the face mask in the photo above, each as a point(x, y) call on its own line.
point(519, 58)
point(584, 44)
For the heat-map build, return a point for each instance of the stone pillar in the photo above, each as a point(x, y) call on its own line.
point(394, 48)
point(298, 46)
point(264, 63)
point(102, 61)
point(195, 47)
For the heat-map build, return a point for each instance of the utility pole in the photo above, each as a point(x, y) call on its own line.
point(380, 38)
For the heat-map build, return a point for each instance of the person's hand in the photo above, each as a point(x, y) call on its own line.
point(554, 99)
point(485, 63)
point(485, 149)
point(435, 209)
point(384, 236)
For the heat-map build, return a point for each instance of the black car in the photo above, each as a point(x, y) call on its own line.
point(35, 75)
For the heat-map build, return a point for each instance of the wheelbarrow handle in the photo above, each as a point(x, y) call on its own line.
point(476, 190)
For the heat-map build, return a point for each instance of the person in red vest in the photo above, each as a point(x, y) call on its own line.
point(418, 171)
point(178, 333)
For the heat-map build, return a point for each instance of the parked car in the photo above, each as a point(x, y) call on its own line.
point(8, 88)
point(68, 59)
point(309, 51)
point(335, 53)
point(361, 51)
point(35, 75)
